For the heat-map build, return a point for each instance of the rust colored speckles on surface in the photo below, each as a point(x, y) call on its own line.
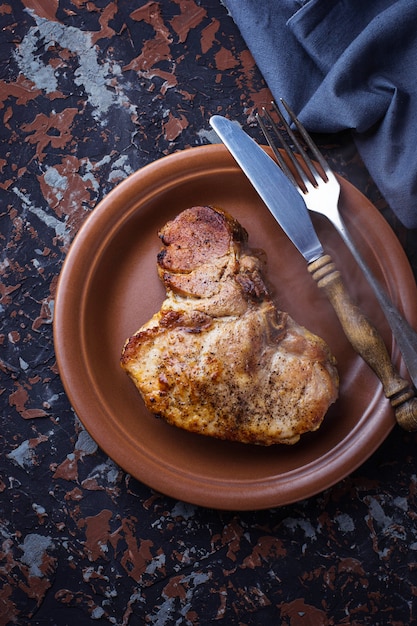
point(225, 60)
point(51, 130)
point(154, 50)
point(19, 398)
point(70, 188)
point(46, 10)
point(299, 612)
point(107, 15)
point(208, 35)
point(265, 547)
point(174, 126)
point(97, 531)
point(22, 89)
point(190, 17)
point(68, 469)
point(138, 556)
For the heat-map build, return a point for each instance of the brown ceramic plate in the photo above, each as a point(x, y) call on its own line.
point(109, 287)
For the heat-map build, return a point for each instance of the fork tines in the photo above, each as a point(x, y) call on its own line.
point(272, 130)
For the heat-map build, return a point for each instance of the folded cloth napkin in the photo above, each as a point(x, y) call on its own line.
point(346, 64)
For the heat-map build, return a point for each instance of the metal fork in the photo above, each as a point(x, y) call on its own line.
point(320, 190)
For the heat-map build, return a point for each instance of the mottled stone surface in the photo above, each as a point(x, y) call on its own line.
point(90, 91)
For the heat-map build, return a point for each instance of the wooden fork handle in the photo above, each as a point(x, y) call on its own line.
point(367, 341)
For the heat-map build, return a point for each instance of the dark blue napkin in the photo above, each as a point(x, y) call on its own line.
point(346, 64)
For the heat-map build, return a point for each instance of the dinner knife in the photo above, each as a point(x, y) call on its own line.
point(289, 209)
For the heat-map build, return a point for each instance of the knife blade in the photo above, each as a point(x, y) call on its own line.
point(283, 200)
point(290, 211)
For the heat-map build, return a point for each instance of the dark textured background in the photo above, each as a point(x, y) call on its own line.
point(90, 92)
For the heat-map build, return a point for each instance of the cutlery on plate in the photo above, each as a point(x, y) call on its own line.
point(290, 210)
point(320, 191)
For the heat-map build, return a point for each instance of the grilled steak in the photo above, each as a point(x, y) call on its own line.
point(219, 358)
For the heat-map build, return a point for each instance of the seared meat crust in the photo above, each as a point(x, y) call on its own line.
point(219, 358)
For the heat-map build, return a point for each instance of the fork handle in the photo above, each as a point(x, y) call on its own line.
point(404, 334)
point(366, 340)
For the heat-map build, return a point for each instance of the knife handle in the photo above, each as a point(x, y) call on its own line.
point(367, 341)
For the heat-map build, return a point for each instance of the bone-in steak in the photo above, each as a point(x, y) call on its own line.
point(219, 358)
